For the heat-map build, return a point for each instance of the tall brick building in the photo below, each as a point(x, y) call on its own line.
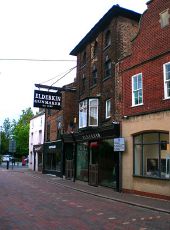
point(99, 97)
point(146, 104)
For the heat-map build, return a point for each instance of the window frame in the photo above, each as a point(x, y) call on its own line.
point(166, 81)
point(94, 76)
point(107, 67)
point(138, 90)
point(108, 109)
point(107, 39)
point(89, 112)
point(164, 18)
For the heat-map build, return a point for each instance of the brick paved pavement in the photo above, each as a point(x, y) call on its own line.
point(30, 200)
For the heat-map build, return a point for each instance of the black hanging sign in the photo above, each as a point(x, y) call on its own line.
point(46, 99)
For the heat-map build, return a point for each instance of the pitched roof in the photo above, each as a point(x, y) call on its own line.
point(115, 11)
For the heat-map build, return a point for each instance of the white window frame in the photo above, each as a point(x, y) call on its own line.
point(93, 111)
point(138, 89)
point(83, 114)
point(164, 18)
point(166, 81)
point(108, 108)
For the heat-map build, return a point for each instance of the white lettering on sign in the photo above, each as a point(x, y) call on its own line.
point(119, 144)
point(52, 147)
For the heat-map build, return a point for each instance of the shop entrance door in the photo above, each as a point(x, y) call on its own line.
point(69, 162)
point(93, 165)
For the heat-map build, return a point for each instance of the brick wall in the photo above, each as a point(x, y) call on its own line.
point(150, 50)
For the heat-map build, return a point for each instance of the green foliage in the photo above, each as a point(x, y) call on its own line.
point(19, 130)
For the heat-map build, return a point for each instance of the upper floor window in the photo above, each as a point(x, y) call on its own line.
point(108, 108)
point(137, 90)
point(48, 131)
point(167, 80)
point(94, 75)
point(83, 83)
point(164, 18)
point(95, 50)
point(40, 137)
point(107, 67)
point(83, 114)
point(88, 113)
point(107, 41)
point(84, 59)
point(93, 112)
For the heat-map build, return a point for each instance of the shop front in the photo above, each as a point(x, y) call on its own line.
point(53, 158)
point(96, 161)
point(146, 162)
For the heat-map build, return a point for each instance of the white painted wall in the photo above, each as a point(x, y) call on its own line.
point(36, 137)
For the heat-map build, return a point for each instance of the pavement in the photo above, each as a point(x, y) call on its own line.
point(154, 204)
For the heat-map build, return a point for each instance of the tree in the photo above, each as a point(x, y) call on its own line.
point(21, 132)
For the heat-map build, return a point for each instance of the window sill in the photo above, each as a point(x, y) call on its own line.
point(167, 98)
point(137, 105)
point(106, 78)
point(152, 177)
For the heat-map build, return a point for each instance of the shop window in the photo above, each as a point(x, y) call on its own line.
point(152, 155)
point(164, 18)
point(108, 108)
point(137, 90)
point(88, 113)
point(166, 68)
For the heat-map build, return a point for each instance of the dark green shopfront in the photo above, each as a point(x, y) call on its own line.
point(87, 156)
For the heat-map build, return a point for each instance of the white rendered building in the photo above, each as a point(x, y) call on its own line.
point(36, 140)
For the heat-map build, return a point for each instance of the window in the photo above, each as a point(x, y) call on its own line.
point(94, 75)
point(83, 114)
point(164, 18)
point(108, 108)
point(40, 137)
point(88, 113)
point(95, 50)
point(107, 67)
point(93, 112)
point(151, 155)
point(83, 83)
point(167, 80)
point(137, 91)
point(107, 39)
point(84, 59)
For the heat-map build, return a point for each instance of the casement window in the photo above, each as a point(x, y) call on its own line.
point(164, 18)
point(83, 114)
point(166, 68)
point(95, 50)
point(137, 90)
point(83, 83)
point(107, 41)
point(93, 112)
point(107, 67)
point(108, 109)
point(94, 75)
point(151, 155)
point(40, 137)
point(88, 113)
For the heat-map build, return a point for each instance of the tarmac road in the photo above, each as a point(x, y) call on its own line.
point(33, 201)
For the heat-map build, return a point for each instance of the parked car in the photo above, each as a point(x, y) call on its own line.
point(6, 158)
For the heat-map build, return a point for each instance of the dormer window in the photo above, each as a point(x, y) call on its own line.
point(164, 18)
point(107, 38)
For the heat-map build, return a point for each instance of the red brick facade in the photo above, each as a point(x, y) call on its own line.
point(150, 51)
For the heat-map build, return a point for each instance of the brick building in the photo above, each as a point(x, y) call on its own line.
point(146, 104)
point(58, 122)
point(99, 97)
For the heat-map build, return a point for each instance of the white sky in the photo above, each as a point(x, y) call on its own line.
point(43, 29)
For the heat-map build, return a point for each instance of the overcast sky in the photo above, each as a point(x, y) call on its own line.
point(43, 29)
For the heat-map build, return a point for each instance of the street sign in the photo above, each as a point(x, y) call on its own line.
point(12, 146)
point(119, 144)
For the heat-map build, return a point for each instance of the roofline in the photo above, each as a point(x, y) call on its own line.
point(115, 11)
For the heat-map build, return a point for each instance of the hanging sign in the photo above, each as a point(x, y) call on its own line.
point(46, 99)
